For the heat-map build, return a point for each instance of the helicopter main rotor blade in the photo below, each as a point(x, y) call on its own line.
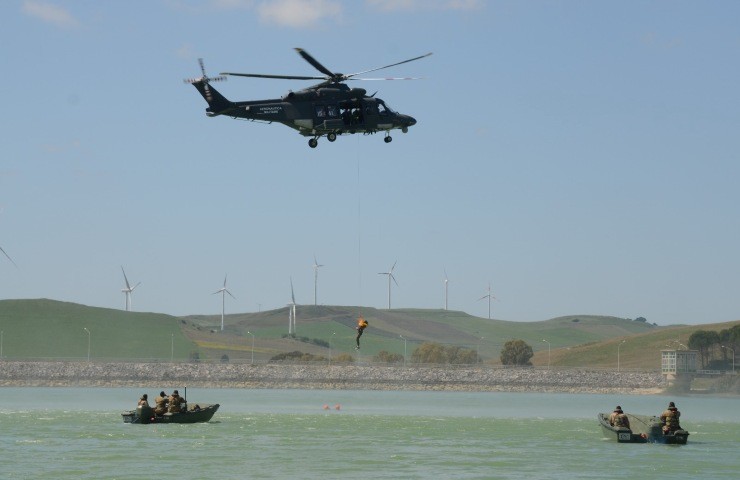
point(389, 78)
point(388, 66)
point(307, 57)
point(281, 77)
point(331, 77)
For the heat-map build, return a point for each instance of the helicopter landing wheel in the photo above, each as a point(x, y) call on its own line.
point(388, 139)
point(405, 129)
point(313, 142)
point(331, 136)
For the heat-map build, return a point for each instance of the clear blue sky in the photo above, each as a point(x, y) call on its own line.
point(580, 156)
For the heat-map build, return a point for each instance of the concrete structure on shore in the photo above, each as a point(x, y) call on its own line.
point(323, 376)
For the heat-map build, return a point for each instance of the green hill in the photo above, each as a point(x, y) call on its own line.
point(640, 350)
point(51, 329)
point(48, 329)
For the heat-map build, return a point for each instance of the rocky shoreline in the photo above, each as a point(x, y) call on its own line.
point(323, 376)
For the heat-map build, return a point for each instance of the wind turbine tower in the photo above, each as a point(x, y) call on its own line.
point(446, 282)
point(128, 290)
point(223, 291)
point(291, 310)
point(390, 277)
point(489, 296)
point(316, 267)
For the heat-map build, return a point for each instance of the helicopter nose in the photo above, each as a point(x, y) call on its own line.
point(407, 120)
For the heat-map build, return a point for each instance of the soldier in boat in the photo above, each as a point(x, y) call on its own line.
point(161, 403)
point(618, 418)
point(669, 419)
point(175, 403)
point(144, 401)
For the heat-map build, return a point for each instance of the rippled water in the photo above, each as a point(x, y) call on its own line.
point(78, 433)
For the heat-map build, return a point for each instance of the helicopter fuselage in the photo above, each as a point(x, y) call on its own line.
point(319, 112)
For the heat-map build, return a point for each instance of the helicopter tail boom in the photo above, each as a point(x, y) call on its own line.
point(217, 103)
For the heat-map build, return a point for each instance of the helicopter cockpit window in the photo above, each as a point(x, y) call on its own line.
point(383, 108)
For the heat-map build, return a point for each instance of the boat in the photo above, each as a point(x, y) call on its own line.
point(195, 414)
point(645, 428)
point(622, 434)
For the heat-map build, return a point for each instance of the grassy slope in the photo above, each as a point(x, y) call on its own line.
point(638, 351)
point(51, 329)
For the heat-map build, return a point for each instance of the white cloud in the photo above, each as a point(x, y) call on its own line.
point(50, 13)
point(298, 13)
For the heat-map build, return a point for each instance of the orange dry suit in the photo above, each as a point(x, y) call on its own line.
point(361, 324)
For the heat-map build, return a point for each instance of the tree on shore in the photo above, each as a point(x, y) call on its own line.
point(516, 352)
point(384, 356)
point(436, 353)
point(711, 344)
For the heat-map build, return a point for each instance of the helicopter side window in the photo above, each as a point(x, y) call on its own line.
point(320, 111)
point(332, 110)
point(356, 116)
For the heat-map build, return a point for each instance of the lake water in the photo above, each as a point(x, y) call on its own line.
point(70, 433)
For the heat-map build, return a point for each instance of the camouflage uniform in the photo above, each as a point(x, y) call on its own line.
point(161, 403)
point(669, 419)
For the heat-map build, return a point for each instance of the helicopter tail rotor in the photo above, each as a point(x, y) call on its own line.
point(204, 81)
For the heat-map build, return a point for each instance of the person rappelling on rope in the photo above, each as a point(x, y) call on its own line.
point(361, 325)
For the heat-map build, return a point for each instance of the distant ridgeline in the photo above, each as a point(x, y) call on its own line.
point(42, 329)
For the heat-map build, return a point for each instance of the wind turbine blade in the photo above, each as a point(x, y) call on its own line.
point(125, 279)
point(8, 256)
point(394, 280)
point(225, 280)
point(292, 295)
point(230, 294)
point(394, 266)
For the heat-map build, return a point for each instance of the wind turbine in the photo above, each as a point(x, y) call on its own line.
point(390, 276)
point(489, 296)
point(223, 291)
point(446, 282)
point(316, 267)
point(128, 290)
point(291, 310)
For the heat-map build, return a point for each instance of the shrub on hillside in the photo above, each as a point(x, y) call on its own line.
point(436, 353)
point(297, 356)
point(384, 356)
point(516, 352)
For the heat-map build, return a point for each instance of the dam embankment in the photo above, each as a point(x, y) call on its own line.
point(325, 376)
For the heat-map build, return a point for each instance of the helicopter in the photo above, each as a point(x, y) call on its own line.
point(329, 108)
